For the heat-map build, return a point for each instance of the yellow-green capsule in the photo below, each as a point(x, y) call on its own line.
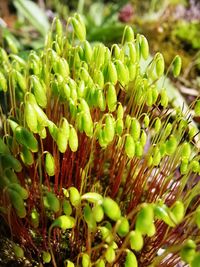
point(128, 35)
point(197, 108)
point(79, 29)
point(111, 209)
point(67, 208)
point(120, 111)
point(87, 124)
point(196, 260)
point(130, 146)
point(133, 68)
point(144, 218)
point(62, 67)
point(82, 23)
point(163, 98)
point(131, 260)
point(19, 189)
point(39, 92)
point(93, 197)
point(185, 151)
point(188, 252)
point(109, 129)
point(178, 211)
point(197, 216)
point(86, 262)
point(122, 72)
point(194, 166)
point(100, 263)
point(53, 130)
point(101, 101)
point(132, 52)
point(26, 138)
point(162, 212)
point(26, 156)
point(144, 47)
point(61, 140)
point(21, 80)
point(89, 218)
point(146, 121)
point(87, 49)
point(157, 125)
point(11, 44)
point(111, 98)
point(73, 139)
point(74, 196)
point(171, 145)
point(156, 156)
point(143, 138)
point(106, 234)
point(160, 64)
point(135, 129)
point(31, 117)
point(184, 166)
point(49, 164)
point(52, 202)
point(3, 83)
point(177, 63)
point(123, 228)
point(138, 149)
point(19, 252)
point(35, 218)
point(119, 126)
point(46, 257)
point(111, 73)
point(98, 213)
point(110, 255)
point(64, 222)
point(136, 240)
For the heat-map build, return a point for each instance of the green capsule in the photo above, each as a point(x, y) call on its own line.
point(171, 145)
point(64, 222)
point(106, 234)
point(132, 52)
point(3, 147)
point(35, 218)
point(132, 68)
point(21, 80)
point(111, 98)
point(128, 121)
point(52, 202)
point(120, 111)
point(163, 98)
point(89, 218)
point(136, 240)
point(122, 73)
point(79, 29)
point(197, 216)
point(53, 130)
point(98, 78)
point(11, 175)
point(8, 161)
point(135, 129)
point(138, 149)
point(3, 83)
point(26, 156)
point(31, 117)
point(162, 212)
point(194, 166)
point(144, 218)
point(185, 151)
point(167, 130)
point(39, 92)
point(144, 47)
point(184, 166)
point(123, 228)
point(86, 262)
point(151, 230)
point(128, 35)
point(156, 156)
point(46, 257)
point(73, 139)
point(101, 101)
point(87, 51)
point(109, 129)
point(192, 132)
point(17, 203)
point(143, 138)
point(119, 126)
point(160, 64)
point(111, 209)
point(19, 189)
point(26, 138)
point(177, 63)
point(100, 263)
point(93, 197)
point(178, 211)
point(197, 108)
point(67, 208)
point(87, 124)
point(62, 67)
point(157, 125)
point(11, 41)
point(98, 213)
point(111, 73)
point(49, 164)
point(196, 261)
point(18, 251)
point(154, 94)
point(116, 51)
point(74, 196)
point(110, 255)
point(146, 121)
point(61, 140)
point(188, 251)
point(149, 97)
point(131, 260)
point(130, 146)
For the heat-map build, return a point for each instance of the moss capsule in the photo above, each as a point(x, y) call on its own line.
point(110, 255)
point(130, 146)
point(177, 63)
point(49, 164)
point(26, 138)
point(73, 140)
point(46, 257)
point(123, 228)
point(52, 202)
point(111, 209)
point(74, 196)
point(136, 240)
point(98, 213)
point(131, 260)
point(64, 222)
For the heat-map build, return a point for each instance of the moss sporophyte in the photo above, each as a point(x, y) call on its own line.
point(96, 170)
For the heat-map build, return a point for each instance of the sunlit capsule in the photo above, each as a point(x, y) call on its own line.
point(138, 149)
point(157, 125)
point(73, 139)
point(17, 203)
point(46, 257)
point(21, 80)
point(119, 126)
point(74, 196)
point(160, 64)
point(130, 146)
point(192, 132)
point(111, 73)
point(39, 92)
point(122, 72)
point(143, 138)
point(178, 211)
point(49, 164)
point(185, 151)
point(109, 129)
point(128, 121)
point(87, 49)
point(123, 228)
point(132, 52)
point(69, 263)
point(171, 145)
point(11, 44)
point(128, 35)
point(116, 51)
point(3, 83)
point(101, 101)
point(149, 97)
point(144, 47)
point(98, 55)
point(162, 212)
point(106, 234)
point(111, 98)
point(144, 218)
point(64, 222)
point(163, 98)
point(177, 63)
point(31, 117)
point(62, 67)
point(132, 71)
point(79, 29)
point(135, 129)
point(82, 23)
point(52, 202)
point(86, 262)
point(110, 255)
point(89, 218)
point(188, 252)
point(111, 209)
point(100, 263)
point(136, 240)
point(98, 213)
point(26, 156)
point(156, 156)
point(184, 166)
point(197, 108)
point(146, 121)
point(194, 166)
point(130, 260)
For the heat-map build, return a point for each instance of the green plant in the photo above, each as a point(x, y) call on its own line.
point(96, 170)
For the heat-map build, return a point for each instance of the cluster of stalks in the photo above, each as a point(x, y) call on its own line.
point(96, 169)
